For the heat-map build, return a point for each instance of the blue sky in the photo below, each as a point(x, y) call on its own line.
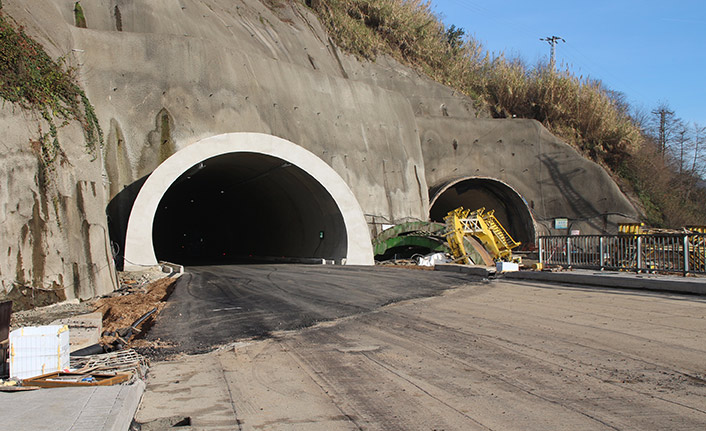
point(652, 51)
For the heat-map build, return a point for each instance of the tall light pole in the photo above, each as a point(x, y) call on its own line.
point(552, 41)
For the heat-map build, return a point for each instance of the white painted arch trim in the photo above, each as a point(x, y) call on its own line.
point(139, 250)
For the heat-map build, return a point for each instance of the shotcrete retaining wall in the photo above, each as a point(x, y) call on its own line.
point(164, 75)
point(552, 178)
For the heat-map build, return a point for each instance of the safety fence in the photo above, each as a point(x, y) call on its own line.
point(685, 253)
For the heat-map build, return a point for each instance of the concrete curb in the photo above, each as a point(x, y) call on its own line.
point(125, 407)
point(622, 280)
point(480, 271)
point(111, 410)
point(171, 268)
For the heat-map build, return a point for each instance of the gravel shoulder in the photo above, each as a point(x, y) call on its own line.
point(500, 355)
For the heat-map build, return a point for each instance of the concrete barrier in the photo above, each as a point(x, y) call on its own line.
point(479, 271)
point(624, 280)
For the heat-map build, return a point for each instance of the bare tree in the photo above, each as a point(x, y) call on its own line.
point(682, 139)
point(698, 165)
point(641, 117)
point(664, 126)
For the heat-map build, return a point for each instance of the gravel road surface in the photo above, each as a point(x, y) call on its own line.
point(500, 355)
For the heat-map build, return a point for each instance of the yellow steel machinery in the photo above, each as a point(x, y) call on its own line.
point(697, 248)
point(461, 223)
point(630, 228)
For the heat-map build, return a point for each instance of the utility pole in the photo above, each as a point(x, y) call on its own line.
point(665, 127)
point(552, 41)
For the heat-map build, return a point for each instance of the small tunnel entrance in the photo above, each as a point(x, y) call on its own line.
point(473, 193)
point(239, 207)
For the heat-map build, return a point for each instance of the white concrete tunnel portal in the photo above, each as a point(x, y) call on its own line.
point(242, 195)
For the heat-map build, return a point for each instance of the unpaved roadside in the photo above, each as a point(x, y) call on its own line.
point(487, 356)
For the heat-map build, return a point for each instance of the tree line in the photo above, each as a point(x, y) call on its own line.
point(668, 171)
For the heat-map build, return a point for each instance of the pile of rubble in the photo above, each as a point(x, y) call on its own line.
point(94, 339)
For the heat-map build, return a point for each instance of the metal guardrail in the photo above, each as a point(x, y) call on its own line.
point(685, 253)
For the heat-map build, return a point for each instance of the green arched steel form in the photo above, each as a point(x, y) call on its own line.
point(433, 244)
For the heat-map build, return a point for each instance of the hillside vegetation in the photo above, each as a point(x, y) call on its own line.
point(584, 113)
point(48, 88)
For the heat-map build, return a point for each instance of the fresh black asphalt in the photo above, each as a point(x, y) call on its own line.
point(216, 305)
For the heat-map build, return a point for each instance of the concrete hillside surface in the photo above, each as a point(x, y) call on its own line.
point(164, 75)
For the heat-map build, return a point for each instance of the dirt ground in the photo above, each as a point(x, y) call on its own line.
point(121, 311)
point(139, 293)
point(501, 355)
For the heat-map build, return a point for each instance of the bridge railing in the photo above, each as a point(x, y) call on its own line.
point(685, 253)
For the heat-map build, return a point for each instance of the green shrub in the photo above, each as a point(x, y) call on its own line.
point(30, 79)
point(79, 17)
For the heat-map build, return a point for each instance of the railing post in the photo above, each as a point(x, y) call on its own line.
point(601, 250)
point(541, 251)
point(639, 254)
point(568, 251)
point(686, 254)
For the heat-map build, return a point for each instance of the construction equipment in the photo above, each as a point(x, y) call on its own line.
point(419, 235)
point(630, 228)
point(471, 237)
point(462, 223)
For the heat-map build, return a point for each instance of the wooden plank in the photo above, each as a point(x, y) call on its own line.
point(61, 379)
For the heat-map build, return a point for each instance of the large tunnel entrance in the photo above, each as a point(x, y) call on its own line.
point(243, 206)
point(244, 196)
point(473, 193)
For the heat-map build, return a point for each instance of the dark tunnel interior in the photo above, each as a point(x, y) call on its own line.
point(510, 209)
point(239, 207)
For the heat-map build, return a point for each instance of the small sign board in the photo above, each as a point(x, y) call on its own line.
point(561, 223)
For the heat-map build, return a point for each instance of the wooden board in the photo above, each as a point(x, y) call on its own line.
point(62, 379)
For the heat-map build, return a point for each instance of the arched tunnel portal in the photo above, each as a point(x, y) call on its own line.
point(476, 192)
point(240, 196)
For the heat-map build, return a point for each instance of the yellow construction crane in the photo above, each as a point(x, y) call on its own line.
point(482, 225)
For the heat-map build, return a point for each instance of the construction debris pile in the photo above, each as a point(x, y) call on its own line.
point(123, 315)
point(122, 361)
point(82, 344)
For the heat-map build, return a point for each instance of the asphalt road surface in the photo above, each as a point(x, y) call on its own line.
point(215, 305)
point(482, 356)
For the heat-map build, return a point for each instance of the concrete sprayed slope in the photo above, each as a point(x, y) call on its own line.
point(212, 67)
point(53, 235)
point(179, 72)
point(164, 75)
point(553, 179)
